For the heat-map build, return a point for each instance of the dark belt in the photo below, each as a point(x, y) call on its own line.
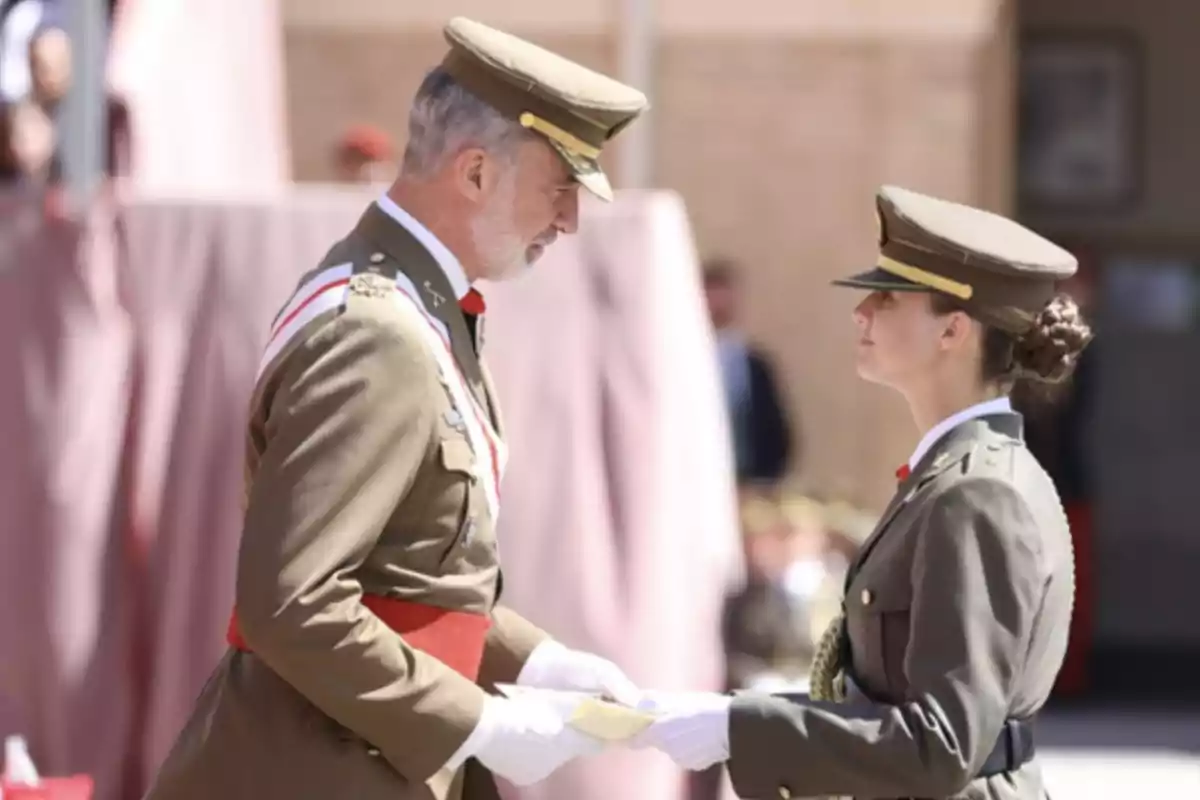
point(1013, 750)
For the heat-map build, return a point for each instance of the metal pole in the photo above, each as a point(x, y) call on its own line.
point(636, 27)
point(83, 130)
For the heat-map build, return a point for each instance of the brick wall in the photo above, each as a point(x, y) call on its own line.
point(777, 144)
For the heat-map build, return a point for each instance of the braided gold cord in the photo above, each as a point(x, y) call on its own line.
point(826, 681)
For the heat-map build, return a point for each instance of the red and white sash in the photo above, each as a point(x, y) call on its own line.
point(328, 289)
point(323, 292)
point(491, 454)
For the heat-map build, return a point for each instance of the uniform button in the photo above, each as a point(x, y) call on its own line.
point(377, 258)
point(868, 597)
point(373, 752)
point(785, 793)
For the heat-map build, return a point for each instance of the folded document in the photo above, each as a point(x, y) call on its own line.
point(608, 720)
point(589, 713)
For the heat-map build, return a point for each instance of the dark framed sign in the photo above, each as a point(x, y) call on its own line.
point(1080, 118)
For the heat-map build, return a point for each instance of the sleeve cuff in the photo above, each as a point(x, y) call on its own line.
point(480, 735)
point(510, 642)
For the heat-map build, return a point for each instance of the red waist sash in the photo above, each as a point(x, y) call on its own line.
point(456, 638)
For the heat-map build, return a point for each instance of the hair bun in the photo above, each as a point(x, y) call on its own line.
point(1049, 351)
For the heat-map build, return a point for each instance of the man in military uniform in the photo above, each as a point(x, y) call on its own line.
point(956, 609)
point(366, 631)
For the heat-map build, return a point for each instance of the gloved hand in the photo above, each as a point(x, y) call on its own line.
point(524, 740)
point(693, 728)
point(555, 666)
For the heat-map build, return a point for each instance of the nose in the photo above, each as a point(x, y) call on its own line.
point(567, 219)
point(863, 311)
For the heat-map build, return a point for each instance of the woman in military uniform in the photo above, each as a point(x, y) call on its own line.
point(956, 609)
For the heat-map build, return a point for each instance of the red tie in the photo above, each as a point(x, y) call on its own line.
point(902, 473)
point(472, 303)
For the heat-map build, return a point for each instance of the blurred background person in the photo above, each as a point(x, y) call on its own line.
point(366, 154)
point(37, 75)
point(20, 21)
point(30, 131)
point(762, 433)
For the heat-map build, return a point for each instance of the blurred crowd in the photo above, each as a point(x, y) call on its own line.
point(797, 549)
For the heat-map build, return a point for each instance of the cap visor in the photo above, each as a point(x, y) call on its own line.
point(880, 280)
point(587, 172)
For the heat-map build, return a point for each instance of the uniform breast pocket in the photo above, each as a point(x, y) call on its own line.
point(459, 462)
point(881, 644)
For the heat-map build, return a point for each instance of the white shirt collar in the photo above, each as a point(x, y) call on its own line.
point(445, 259)
point(999, 405)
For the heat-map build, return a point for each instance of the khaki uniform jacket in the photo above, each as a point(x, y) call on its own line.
point(956, 616)
point(359, 479)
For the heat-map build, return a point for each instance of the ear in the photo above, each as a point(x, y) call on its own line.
point(957, 329)
point(475, 173)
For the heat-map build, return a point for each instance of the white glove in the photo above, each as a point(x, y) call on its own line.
point(693, 728)
point(524, 739)
point(555, 666)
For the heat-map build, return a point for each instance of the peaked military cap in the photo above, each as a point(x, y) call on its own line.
point(998, 270)
point(576, 109)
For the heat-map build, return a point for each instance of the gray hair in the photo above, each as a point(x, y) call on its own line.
point(446, 118)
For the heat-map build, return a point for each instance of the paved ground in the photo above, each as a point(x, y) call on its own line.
point(1114, 752)
point(1100, 775)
